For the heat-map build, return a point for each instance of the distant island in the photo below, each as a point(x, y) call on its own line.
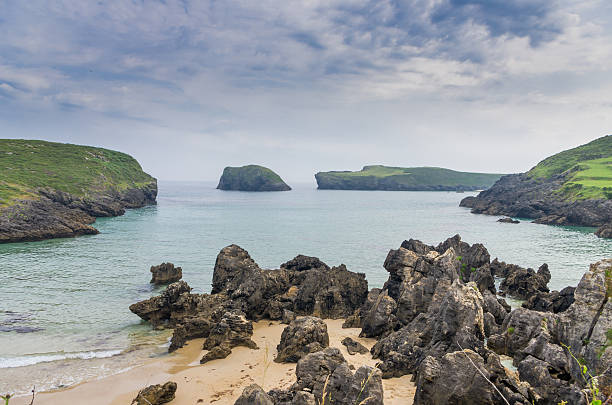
point(251, 178)
point(378, 177)
point(53, 190)
point(573, 187)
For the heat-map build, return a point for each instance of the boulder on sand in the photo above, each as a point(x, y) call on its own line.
point(303, 336)
point(156, 394)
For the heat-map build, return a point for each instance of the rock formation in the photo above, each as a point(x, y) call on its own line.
point(557, 191)
point(165, 273)
point(243, 292)
point(156, 394)
point(303, 336)
point(57, 190)
point(508, 220)
point(251, 178)
point(437, 317)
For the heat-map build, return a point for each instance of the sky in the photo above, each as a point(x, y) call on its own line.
point(189, 87)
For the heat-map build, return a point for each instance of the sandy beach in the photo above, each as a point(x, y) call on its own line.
point(218, 382)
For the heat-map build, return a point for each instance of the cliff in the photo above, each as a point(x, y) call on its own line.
point(51, 190)
point(405, 179)
point(573, 187)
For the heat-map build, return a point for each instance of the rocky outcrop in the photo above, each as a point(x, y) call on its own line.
point(254, 395)
point(465, 377)
point(605, 231)
point(353, 346)
point(165, 273)
point(303, 336)
point(554, 301)
point(507, 220)
point(327, 374)
point(251, 178)
point(156, 394)
point(243, 292)
point(232, 330)
point(524, 283)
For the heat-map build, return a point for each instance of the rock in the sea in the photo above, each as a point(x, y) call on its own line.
point(251, 178)
point(508, 220)
point(254, 395)
point(353, 346)
point(523, 283)
point(605, 231)
point(156, 394)
point(303, 336)
point(554, 301)
point(165, 273)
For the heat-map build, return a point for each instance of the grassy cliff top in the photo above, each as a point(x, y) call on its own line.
point(26, 165)
point(253, 170)
point(422, 175)
point(588, 168)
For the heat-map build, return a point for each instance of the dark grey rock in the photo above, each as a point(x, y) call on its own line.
point(303, 336)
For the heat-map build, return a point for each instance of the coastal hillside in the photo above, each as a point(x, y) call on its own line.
point(573, 187)
point(50, 189)
point(378, 177)
point(251, 178)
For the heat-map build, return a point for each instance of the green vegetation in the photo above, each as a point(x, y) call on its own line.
point(251, 178)
point(588, 170)
point(510, 330)
point(400, 178)
point(252, 171)
point(26, 165)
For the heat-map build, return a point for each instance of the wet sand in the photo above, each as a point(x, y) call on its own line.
point(218, 382)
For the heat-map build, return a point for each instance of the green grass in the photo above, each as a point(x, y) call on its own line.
point(588, 170)
point(252, 171)
point(420, 176)
point(26, 165)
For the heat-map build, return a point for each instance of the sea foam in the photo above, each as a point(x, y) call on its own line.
point(28, 360)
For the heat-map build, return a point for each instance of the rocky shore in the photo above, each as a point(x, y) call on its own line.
point(57, 214)
point(439, 317)
point(569, 188)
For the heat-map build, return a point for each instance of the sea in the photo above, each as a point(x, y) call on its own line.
point(64, 314)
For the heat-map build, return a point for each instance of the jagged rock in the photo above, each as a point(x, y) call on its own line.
point(287, 317)
point(453, 379)
point(165, 273)
point(523, 283)
point(586, 326)
point(457, 320)
point(605, 231)
point(508, 220)
point(190, 328)
point(215, 353)
point(343, 387)
point(495, 306)
point(158, 310)
point(303, 336)
point(232, 330)
point(518, 329)
point(554, 301)
point(254, 395)
point(156, 394)
point(380, 318)
point(232, 266)
point(301, 263)
point(550, 389)
point(353, 346)
point(304, 398)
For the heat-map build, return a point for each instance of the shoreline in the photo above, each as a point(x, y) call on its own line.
point(218, 382)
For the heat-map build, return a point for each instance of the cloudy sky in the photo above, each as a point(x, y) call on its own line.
point(188, 87)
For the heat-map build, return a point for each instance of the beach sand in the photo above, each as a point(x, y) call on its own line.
point(218, 382)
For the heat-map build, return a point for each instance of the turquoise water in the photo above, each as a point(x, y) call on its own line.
point(72, 295)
